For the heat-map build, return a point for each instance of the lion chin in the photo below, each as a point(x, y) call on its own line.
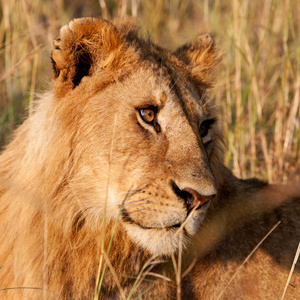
point(120, 163)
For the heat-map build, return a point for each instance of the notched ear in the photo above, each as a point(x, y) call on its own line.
point(80, 46)
point(202, 57)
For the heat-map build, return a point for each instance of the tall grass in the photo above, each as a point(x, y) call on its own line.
point(258, 89)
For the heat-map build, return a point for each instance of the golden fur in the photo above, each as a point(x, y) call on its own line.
point(89, 184)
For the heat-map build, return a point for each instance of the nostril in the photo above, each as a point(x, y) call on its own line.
point(197, 199)
point(191, 197)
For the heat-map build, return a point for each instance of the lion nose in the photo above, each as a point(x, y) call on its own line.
point(191, 197)
point(194, 199)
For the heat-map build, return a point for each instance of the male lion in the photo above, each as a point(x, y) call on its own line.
point(114, 173)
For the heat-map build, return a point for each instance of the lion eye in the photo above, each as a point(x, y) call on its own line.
point(147, 114)
point(205, 126)
point(203, 129)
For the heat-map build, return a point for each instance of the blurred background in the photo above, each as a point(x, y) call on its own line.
point(258, 80)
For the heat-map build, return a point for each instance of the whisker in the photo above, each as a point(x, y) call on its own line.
point(135, 211)
point(137, 201)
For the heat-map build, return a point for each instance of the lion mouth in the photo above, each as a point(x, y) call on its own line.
point(127, 218)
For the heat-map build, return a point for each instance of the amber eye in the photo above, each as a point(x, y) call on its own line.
point(147, 114)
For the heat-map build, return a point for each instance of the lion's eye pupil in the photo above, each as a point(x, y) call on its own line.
point(147, 115)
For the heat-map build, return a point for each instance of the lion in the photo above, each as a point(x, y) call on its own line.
point(115, 188)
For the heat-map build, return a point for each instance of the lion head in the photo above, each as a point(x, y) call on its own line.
point(144, 129)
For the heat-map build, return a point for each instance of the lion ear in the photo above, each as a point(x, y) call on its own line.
point(80, 46)
point(201, 57)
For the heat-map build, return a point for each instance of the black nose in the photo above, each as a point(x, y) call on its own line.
point(191, 197)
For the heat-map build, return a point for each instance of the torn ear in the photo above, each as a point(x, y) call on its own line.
point(80, 46)
point(201, 57)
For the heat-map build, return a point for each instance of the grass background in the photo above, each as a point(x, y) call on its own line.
point(258, 89)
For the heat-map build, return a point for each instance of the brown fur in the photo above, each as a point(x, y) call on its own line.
point(87, 185)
